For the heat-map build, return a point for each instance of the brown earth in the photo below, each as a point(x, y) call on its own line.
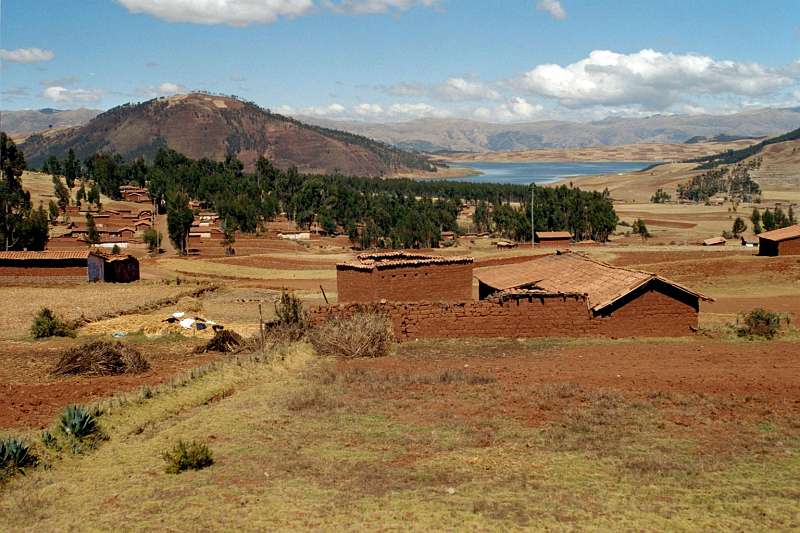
point(30, 396)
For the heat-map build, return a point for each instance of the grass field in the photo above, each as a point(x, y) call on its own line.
point(310, 443)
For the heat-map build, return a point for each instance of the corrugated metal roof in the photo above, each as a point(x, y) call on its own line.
point(47, 254)
point(554, 234)
point(565, 273)
point(782, 234)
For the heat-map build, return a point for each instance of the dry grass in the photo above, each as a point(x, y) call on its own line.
point(101, 358)
point(363, 334)
point(293, 451)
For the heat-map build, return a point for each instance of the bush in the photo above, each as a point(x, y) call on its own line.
point(291, 323)
point(187, 456)
point(47, 324)
point(362, 334)
point(101, 358)
point(224, 341)
point(14, 456)
point(76, 422)
point(760, 323)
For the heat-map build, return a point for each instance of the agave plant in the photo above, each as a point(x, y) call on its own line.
point(15, 454)
point(77, 422)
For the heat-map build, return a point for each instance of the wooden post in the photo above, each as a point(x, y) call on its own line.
point(261, 325)
point(323, 294)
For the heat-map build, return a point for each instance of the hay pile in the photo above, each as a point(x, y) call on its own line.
point(101, 358)
point(152, 326)
point(224, 341)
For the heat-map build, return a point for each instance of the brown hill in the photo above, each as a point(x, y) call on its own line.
point(200, 125)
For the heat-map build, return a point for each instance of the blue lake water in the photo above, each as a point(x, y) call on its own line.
point(525, 173)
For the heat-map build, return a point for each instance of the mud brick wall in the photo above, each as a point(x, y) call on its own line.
point(790, 247)
point(421, 283)
point(650, 314)
point(554, 243)
point(43, 272)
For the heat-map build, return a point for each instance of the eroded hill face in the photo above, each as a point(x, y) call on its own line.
point(199, 125)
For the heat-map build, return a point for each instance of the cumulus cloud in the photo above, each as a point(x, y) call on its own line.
point(323, 111)
point(372, 7)
point(553, 7)
point(368, 110)
point(650, 79)
point(454, 89)
point(62, 94)
point(231, 12)
point(515, 110)
point(26, 55)
point(246, 12)
point(167, 88)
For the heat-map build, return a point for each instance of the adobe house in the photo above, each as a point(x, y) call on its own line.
point(62, 265)
point(784, 241)
point(404, 277)
point(559, 239)
point(121, 269)
point(715, 241)
point(635, 299)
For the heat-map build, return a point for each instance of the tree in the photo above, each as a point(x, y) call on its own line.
point(640, 228)
point(791, 217)
point(739, 227)
point(660, 197)
point(52, 166)
point(93, 197)
point(481, 217)
point(61, 192)
point(115, 250)
point(152, 239)
point(20, 226)
point(781, 220)
point(229, 228)
point(768, 220)
point(52, 211)
point(179, 219)
point(92, 236)
point(71, 168)
point(80, 196)
point(755, 218)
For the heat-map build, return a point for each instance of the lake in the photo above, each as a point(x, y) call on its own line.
point(525, 173)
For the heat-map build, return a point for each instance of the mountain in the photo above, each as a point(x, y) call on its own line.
point(201, 125)
point(21, 123)
point(433, 135)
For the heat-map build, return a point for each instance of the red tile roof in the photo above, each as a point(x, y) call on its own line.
point(381, 260)
point(47, 254)
point(570, 273)
point(782, 234)
point(714, 240)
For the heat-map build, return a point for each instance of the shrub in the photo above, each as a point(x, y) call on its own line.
point(362, 334)
point(187, 456)
point(47, 324)
point(101, 358)
point(760, 323)
point(289, 310)
point(14, 456)
point(116, 250)
point(223, 341)
point(76, 422)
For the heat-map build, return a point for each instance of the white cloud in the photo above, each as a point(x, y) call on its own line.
point(62, 94)
point(453, 89)
point(231, 12)
point(372, 7)
point(419, 110)
point(553, 7)
point(167, 88)
point(650, 79)
point(368, 110)
point(26, 55)
point(246, 12)
point(323, 111)
point(517, 109)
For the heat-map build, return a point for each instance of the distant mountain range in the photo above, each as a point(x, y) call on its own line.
point(201, 125)
point(19, 123)
point(437, 135)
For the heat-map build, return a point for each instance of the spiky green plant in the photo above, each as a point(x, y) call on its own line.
point(14, 456)
point(77, 422)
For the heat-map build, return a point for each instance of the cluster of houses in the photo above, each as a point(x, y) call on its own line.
point(783, 241)
point(131, 193)
point(120, 227)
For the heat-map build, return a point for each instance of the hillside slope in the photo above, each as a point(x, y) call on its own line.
point(200, 125)
point(433, 135)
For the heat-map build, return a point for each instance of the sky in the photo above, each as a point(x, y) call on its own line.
point(397, 60)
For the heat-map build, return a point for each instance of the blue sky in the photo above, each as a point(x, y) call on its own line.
point(392, 60)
